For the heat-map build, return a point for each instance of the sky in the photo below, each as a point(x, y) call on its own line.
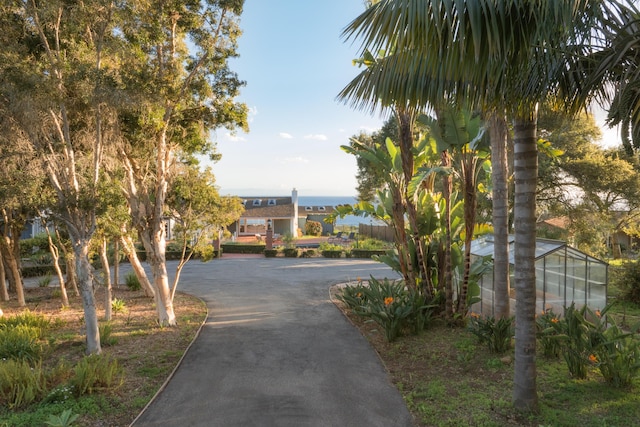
point(295, 62)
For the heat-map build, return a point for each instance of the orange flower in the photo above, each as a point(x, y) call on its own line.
point(388, 300)
point(593, 358)
point(598, 313)
point(358, 279)
point(474, 315)
point(554, 320)
point(359, 295)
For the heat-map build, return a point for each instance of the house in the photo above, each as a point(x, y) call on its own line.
point(259, 211)
point(318, 214)
point(283, 213)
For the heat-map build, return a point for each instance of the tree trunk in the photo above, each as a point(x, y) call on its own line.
point(104, 259)
point(130, 250)
point(55, 256)
point(84, 273)
point(4, 292)
point(447, 279)
point(12, 267)
point(500, 201)
point(156, 248)
point(116, 262)
point(468, 165)
point(525, 396)
point(69, 261)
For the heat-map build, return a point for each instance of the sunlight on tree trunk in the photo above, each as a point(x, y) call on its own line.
point(130, 251)
point(4, 292)
point(84, 272)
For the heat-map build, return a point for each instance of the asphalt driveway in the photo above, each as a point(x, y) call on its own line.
point(276, 352)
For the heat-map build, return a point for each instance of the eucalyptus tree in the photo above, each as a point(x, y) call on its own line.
point(59, 89)
point(181, 90)
point(499, 56)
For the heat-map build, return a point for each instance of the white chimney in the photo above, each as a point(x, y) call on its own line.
point(294, 223)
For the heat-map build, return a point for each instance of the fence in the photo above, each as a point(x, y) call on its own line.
point(380, 232)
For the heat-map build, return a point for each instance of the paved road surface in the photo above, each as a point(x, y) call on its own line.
point(276, 352)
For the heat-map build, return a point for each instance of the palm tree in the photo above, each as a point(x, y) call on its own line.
point(497, 56)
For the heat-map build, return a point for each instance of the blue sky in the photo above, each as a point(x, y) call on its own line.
point(294, 63)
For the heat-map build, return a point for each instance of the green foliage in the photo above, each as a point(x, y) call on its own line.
point(373, 244)
point(617, 357)
point(236, 248)
point(94, 373)
point(288, 240)
point(587, 339)
point(627, 279)
point(26, 318)
point(118, 306)
point(20, 383)
point(270, 253)
point(44, 281)
point(312, 228)
point(546, 332)
point(64, 419)
point(21, 342)
point(132, 282)
point(106, 337)
point(291, 252)
point(35, 245)
point(390, 304)
point(496, 334)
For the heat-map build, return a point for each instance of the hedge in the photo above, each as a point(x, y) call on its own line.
point(366, 253)
point(243, 249)
point(332, 253)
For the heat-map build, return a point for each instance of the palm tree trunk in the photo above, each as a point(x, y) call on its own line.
point(447, 279)
point(526, 171)
point(500, 200)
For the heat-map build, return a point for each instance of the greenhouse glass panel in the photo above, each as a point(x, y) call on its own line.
point(564, 275)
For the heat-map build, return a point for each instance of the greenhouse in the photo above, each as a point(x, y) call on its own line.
point(564, 275)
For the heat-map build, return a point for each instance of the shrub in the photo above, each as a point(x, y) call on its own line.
point(132, 282)
point(118, 305)
point(20, 383)
point(495, 334)
point(627, 279)
point(44, 281)
point(26, 318)
point(270, 253)
point(96, 372)
point(390, 305)
point(546, 334)
point(291, 252)
point(617, 357)
point(106, 337)
point(21, 343)
point(312, 228)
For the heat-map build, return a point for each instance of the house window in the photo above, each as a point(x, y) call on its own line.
point(321, 208)
point(308, 208)
point(271, 202)
point(257, 202)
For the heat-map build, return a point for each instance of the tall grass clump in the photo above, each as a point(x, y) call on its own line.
point(96, 373)
point(20, 383)
point(21, 343)
point(132, 282)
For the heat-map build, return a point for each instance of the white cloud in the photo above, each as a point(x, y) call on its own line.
point(298, 159)
point(285, 135)
point(253, 111)
point(317, 137)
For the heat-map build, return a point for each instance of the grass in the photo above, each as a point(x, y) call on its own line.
point(447, 379)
